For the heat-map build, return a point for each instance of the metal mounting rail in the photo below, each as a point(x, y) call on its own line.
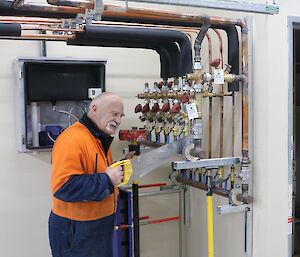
point(206, 163)
point(241, 6)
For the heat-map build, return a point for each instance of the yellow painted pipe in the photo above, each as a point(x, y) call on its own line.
point(210, 226)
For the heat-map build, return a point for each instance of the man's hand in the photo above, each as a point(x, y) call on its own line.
point(130, 155)
point(115, 174)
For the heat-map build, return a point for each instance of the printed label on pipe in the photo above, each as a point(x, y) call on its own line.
point(192, 111)
point(219, 76)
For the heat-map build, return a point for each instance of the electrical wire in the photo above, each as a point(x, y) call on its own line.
point(50, 137)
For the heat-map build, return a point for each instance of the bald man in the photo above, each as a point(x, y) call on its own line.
point(83, 186)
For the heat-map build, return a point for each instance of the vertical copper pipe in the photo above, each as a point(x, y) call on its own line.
point(244, 36)
point(220, 47)
point(221, 98)
point(210, 99)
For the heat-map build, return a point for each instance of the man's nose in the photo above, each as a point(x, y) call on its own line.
point(118, 120)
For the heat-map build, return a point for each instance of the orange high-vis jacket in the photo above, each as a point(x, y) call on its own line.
point(74, 153)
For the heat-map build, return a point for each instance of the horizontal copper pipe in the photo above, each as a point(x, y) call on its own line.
point(199, 185)
point(112, 10)
point(47, 28)
point(46, 37)
point(30, 20)
point(39, 7)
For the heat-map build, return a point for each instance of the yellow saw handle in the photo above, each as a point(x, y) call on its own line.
point(127, 169)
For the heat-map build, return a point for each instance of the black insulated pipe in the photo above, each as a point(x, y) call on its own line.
point(7, 9)
point(231, 31)
point(233, 52)
point(150, 35)
point(10, 30)
point(168, 53)
point(199, 39)
point(170, 44)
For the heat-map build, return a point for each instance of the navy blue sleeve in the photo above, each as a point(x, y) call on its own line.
point(84, 188)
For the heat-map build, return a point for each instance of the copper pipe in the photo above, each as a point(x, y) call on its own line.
point(39, 7)
point(87, 4)
point(47, 37)
point(218, 191)
point(46, 28)
point(112, 10)
point(23, 20)
point(210, 99)
point(220, 47)
point(244, 36)
point(221, 99)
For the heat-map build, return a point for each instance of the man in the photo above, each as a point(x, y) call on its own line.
point(83, 185)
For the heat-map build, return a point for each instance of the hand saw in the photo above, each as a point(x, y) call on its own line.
point(141, 165)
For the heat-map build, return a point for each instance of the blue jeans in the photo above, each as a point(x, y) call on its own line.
point(69, 238)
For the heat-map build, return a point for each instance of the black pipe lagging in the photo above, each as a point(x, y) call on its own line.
point(10, 30)
point(230, 29)
point(173, 46)
point(168, 53)
point(199, 39)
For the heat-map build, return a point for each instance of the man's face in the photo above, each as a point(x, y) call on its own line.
point(109, 117)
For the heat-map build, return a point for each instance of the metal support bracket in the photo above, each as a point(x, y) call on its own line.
point(206, 163)
point(226, 209)
point(221, 4)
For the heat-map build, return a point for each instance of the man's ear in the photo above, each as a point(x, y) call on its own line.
point(94, 108)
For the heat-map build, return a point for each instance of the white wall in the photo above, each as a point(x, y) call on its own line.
point(24, 178)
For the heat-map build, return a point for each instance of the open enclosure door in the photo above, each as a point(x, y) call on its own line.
point(296, 132)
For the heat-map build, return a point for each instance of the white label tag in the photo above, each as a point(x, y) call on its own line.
point(192, 111)
point(219, 76)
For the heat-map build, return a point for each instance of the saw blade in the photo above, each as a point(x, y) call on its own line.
point(145, 163)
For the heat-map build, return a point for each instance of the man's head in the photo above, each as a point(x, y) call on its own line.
point(106, 111)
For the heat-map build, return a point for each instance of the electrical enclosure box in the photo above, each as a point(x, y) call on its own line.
point(53, 94)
